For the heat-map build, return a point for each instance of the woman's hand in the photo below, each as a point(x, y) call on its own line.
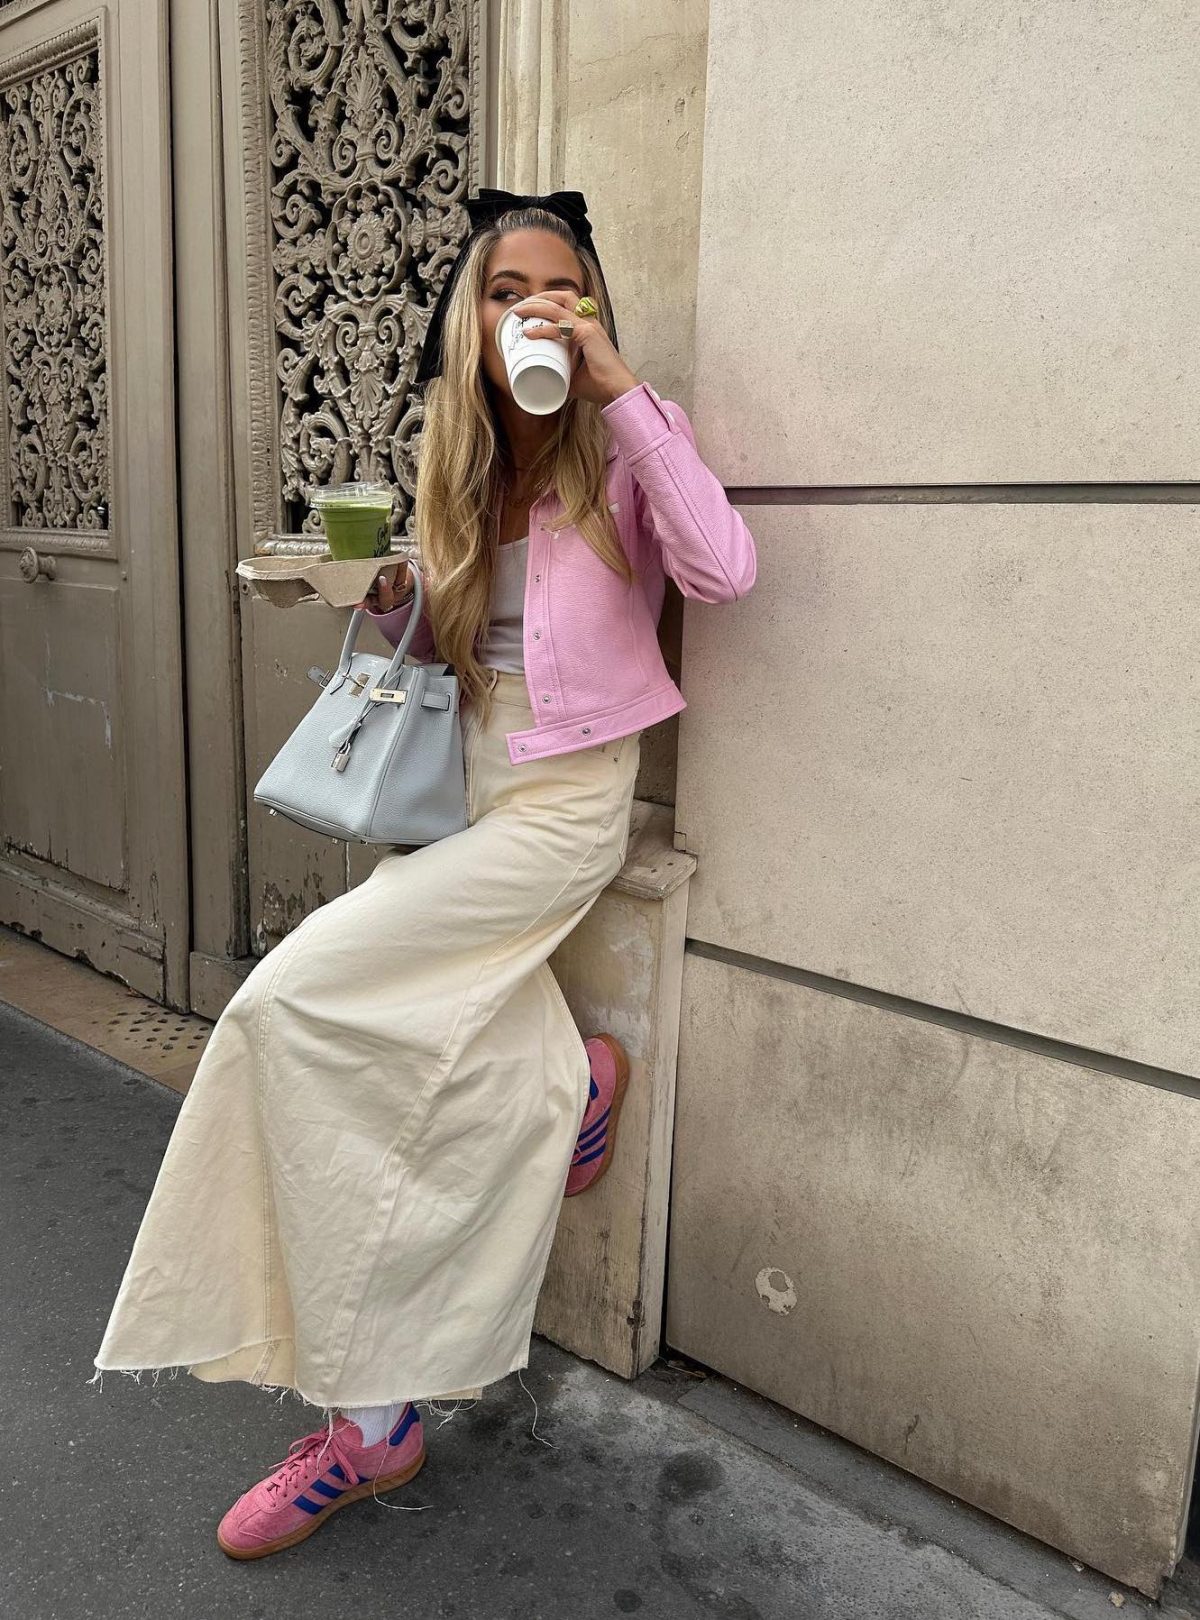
point(383, 597)
point(598, 373)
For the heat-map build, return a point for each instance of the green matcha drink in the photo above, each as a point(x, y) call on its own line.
point(356, 519)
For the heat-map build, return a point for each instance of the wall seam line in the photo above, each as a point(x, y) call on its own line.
point(1147, 1074)
point(1064, 494)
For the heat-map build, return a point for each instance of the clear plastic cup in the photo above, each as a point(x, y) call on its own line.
point(356, 519)
point(539, 369)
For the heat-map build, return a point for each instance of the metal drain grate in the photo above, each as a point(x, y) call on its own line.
point(156, 1029)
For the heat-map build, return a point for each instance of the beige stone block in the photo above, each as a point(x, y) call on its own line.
point(609, 100)
point(951, 752)
point(976, 1261)
point(977, 260)
point(619, 972)
point(632, 142)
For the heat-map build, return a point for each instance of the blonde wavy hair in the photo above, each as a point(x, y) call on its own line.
point(465, 463)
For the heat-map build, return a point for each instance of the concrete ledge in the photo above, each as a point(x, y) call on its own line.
point(621, 971)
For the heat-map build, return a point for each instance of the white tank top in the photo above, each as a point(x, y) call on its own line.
point(503, 643)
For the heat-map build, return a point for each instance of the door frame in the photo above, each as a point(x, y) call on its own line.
point(220, 947)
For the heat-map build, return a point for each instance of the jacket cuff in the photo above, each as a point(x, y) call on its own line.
point(393, 622)
point(638, 421)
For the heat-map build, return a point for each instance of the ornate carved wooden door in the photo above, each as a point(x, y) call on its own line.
point(357, 133)
point(92, 823)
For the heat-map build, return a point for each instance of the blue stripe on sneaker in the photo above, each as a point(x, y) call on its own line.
point(596, 1153)
point(336, 1468)
point(593, 1089)
point(595, 1130)
point(404, 1425)
point(310, 1507)
point(326, 1489)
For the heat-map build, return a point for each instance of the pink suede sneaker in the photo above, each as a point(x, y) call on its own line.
point(320, 1474)
point(598, 1133)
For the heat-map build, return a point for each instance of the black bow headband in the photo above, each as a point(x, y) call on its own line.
point(483, 211)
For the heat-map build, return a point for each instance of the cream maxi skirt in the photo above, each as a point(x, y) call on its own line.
point(359, 1196)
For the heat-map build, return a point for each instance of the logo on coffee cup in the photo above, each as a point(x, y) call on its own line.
point(516, 329)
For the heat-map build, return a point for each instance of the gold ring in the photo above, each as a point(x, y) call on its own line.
point(586, 306)
point(565, 327)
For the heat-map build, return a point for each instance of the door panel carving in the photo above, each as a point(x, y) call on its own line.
point(370, 157)
point(52, 284)
point(360, 134)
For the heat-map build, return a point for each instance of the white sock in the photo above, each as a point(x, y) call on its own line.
point(375, 1421)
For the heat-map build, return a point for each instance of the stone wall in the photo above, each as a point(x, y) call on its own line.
point(939, 1074)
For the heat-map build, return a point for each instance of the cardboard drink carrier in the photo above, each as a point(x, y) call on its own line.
point(288, 581)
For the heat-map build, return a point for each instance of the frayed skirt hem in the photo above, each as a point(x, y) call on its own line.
point(229, 1369)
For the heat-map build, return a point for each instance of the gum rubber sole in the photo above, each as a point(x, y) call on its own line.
point(622, 1063)
point(355, 1493)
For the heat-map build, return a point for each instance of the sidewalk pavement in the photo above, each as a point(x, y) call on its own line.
point(675, 1497)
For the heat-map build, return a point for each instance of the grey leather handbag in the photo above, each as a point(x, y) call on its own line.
point(378, 759)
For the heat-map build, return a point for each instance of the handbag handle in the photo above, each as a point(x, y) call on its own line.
point(410, 630)
point(343, 738)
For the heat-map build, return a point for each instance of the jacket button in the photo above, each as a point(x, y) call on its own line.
point(586, 730)
point(538, 577)
point(545, 697)
point(520, 748)
point(537, 635)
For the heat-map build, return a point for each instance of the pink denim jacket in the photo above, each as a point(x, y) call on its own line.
point(593, 666)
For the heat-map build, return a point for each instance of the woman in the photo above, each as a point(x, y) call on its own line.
point(359, 1196)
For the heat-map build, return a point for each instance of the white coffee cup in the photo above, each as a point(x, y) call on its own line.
point(539, 369)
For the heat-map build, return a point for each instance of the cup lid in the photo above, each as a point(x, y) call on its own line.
point(363, 490)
